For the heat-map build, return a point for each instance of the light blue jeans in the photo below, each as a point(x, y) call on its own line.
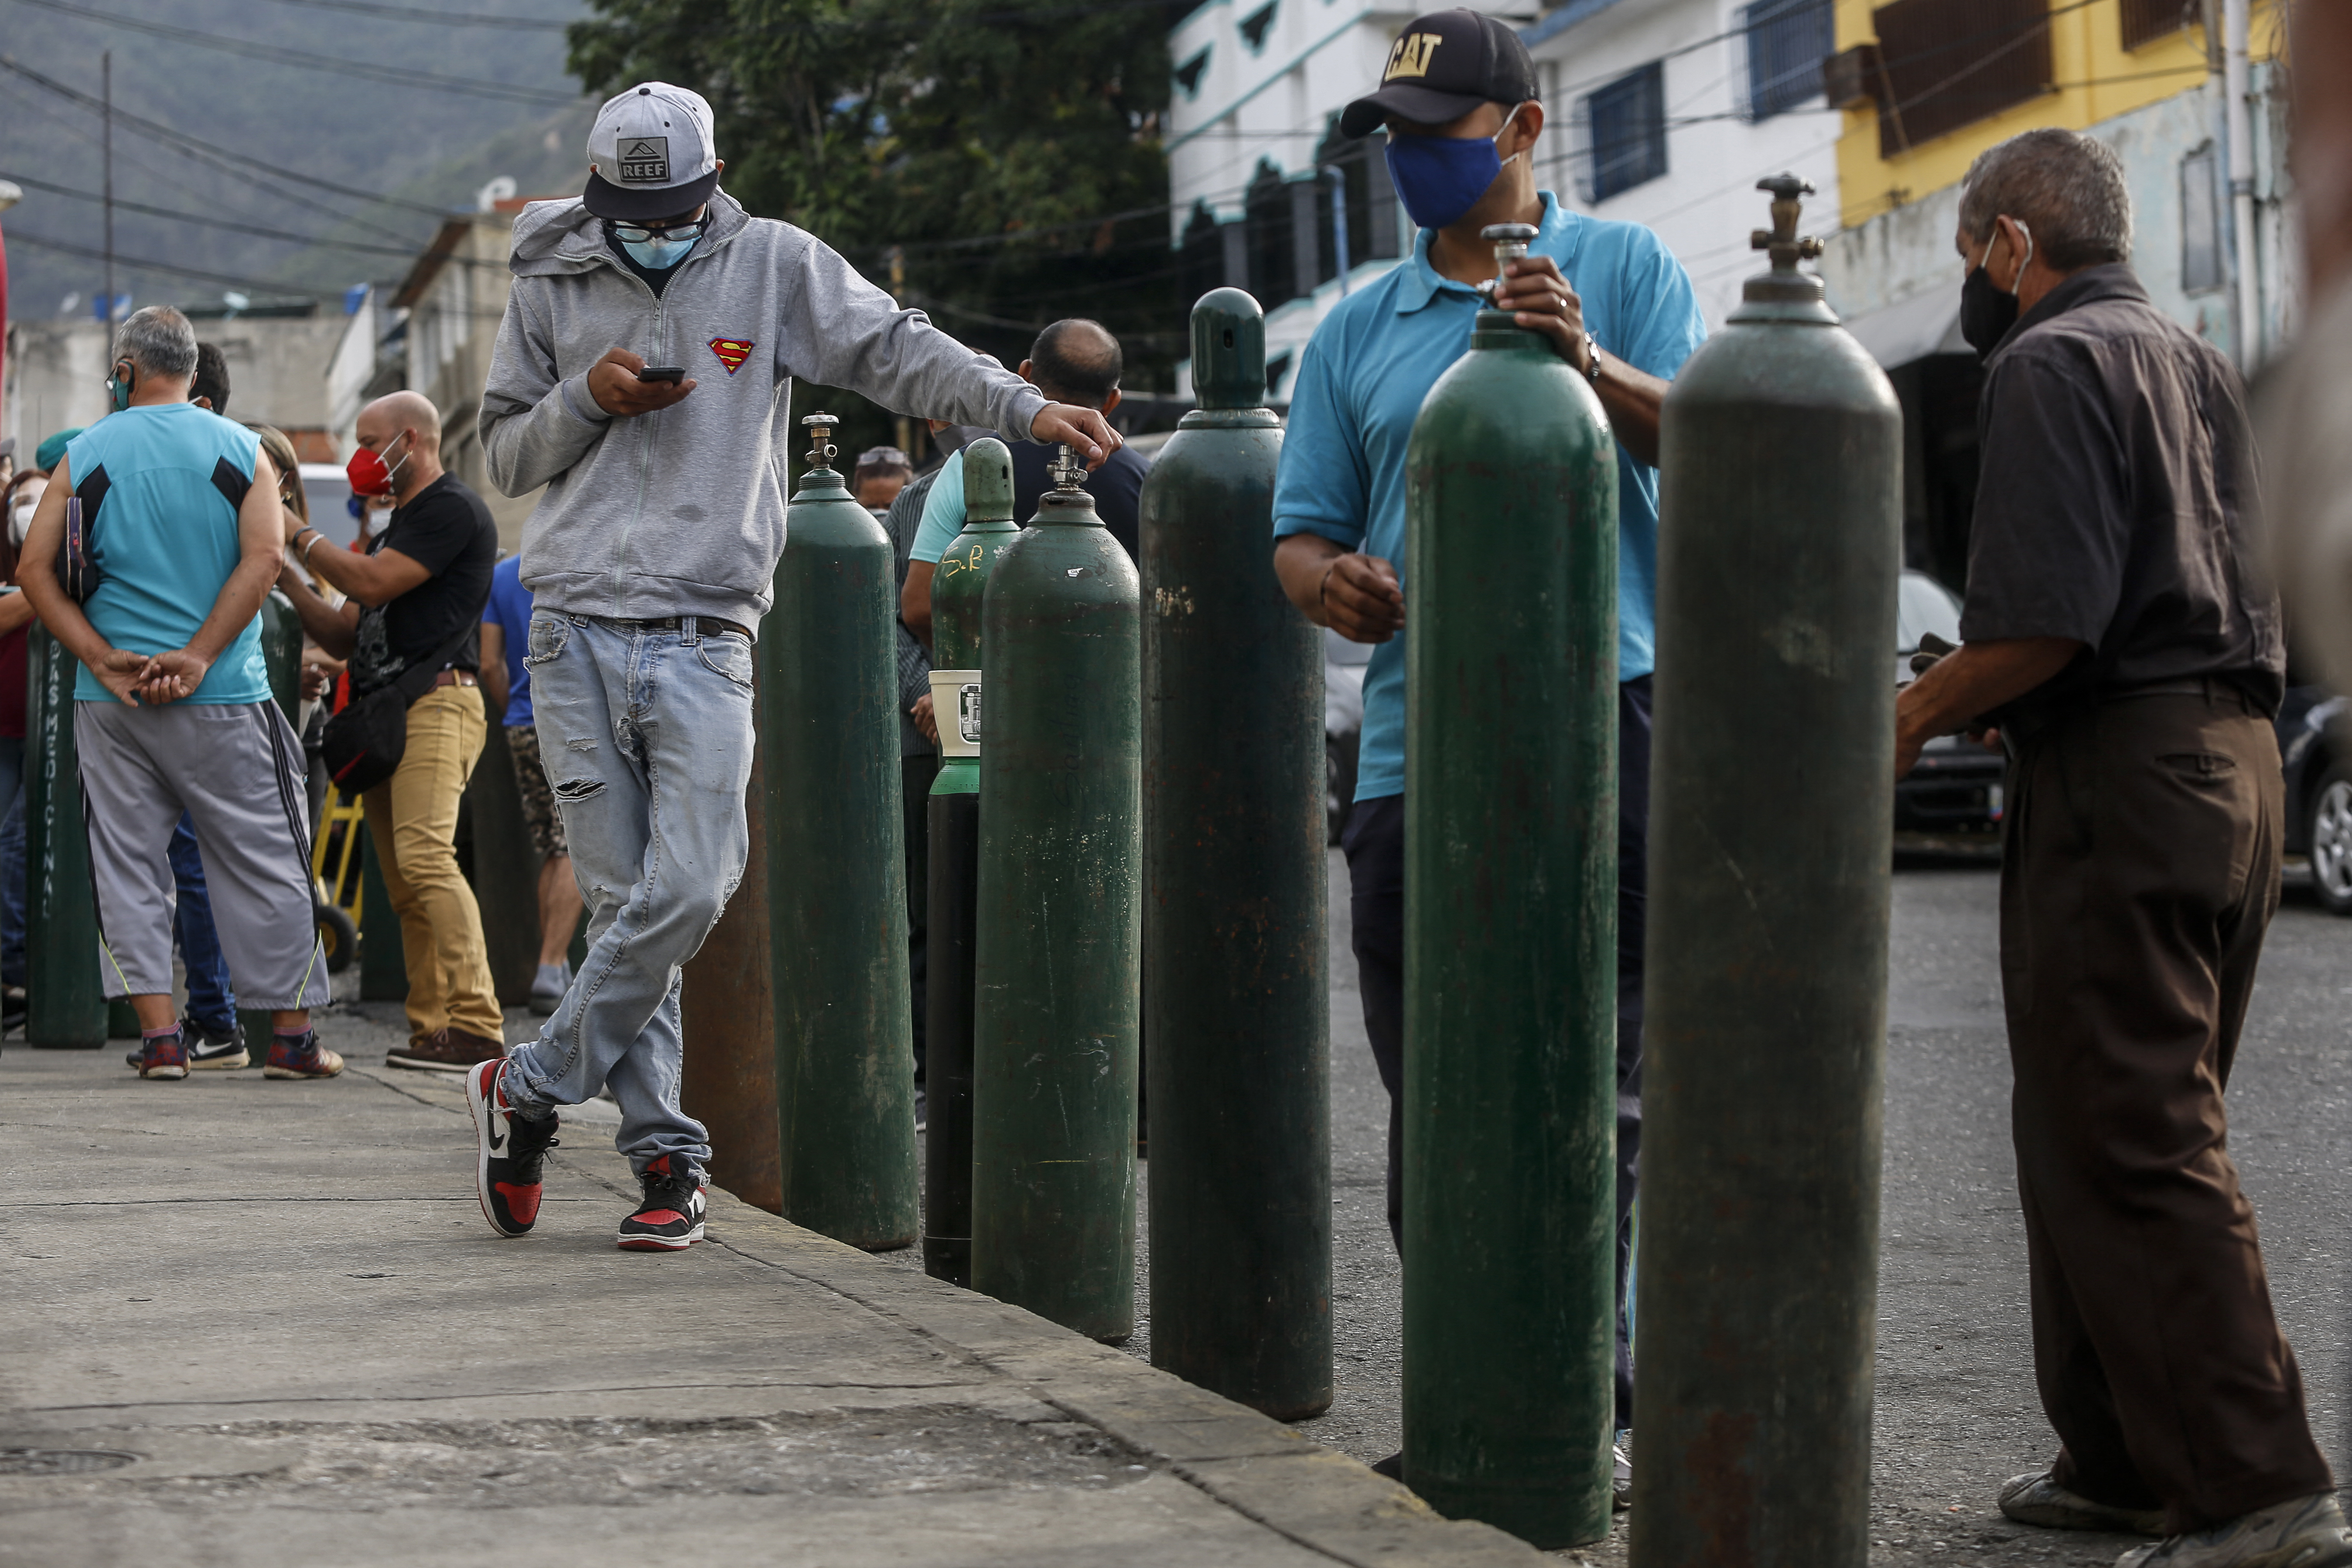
point(646, 736)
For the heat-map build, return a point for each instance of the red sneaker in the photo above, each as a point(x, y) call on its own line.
point(164, 1056)
point(670, 1219)
point(510, 1151)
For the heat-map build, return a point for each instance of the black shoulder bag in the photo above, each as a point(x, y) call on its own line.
point(363, 743)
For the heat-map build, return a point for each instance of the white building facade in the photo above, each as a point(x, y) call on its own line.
point(1667, 113)
point(1252, 129)
point(1664, 113)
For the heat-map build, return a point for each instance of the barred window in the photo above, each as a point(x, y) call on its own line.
point(1621, 132)
point(1786, 42)
point(2153, 21)
point(1951, 63)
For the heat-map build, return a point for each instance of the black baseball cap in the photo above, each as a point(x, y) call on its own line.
point(1441, 68)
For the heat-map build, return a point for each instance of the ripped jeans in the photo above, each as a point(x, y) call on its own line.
point(646, 736)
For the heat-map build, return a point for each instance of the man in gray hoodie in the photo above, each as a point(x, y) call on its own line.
point(642, 374)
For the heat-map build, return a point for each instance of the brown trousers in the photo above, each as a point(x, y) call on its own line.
point(2141, 869)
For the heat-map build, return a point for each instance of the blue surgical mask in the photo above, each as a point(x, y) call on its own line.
point(659, 255)
point(1439, 178)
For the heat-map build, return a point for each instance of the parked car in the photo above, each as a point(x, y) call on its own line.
point(1343, 724)
point(2315, 740)
point(1957, 787)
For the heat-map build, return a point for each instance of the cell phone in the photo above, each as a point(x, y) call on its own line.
point(673, 374)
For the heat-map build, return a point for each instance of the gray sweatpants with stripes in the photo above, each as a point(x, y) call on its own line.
point(236, 770)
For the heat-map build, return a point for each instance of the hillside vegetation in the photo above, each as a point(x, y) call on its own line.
point(427, 149)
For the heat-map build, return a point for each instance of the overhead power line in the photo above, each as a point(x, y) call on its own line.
point(235, 225)
point(439, 18)
point(206, 151)
point(536, 24)
point(132, 264)
point(368, 70)
point(276, 190)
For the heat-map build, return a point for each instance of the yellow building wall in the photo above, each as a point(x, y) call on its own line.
point(2096, 79)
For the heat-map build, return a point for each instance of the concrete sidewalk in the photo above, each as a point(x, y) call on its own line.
point(271, 1320)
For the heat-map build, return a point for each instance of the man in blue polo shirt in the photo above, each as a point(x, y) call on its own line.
point(1459, 96)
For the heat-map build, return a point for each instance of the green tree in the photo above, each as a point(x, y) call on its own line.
point(1009, 150)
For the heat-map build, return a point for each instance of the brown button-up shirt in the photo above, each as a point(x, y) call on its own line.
point(2117, 501)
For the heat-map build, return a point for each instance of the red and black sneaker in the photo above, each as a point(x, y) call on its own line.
point(510, 1150)
point(300, 1056)
point(670, 1219)
point(162, 1056)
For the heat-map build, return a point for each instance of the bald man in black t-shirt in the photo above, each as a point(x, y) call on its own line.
point(416, 599)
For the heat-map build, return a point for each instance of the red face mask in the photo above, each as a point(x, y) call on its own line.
point(368, 474)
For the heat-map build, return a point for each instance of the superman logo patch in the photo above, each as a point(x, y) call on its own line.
point(732, 351)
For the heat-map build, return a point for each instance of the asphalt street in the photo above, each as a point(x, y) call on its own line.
point(1956, 1408)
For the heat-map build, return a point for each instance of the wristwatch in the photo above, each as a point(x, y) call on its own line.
point(1592, 358)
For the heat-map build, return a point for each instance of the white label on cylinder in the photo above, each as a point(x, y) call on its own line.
point(955, 707)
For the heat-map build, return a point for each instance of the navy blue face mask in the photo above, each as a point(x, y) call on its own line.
point(1439, 178)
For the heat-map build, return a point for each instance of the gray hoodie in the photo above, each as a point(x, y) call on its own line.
point(681, 512)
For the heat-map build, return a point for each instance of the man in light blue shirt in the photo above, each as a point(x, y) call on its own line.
point(1463, 122)
point(181, 520)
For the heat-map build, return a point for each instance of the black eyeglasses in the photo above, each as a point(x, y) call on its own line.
point(640, 233)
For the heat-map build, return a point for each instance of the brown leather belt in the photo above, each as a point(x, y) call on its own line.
point(705, 624)
point(455, 677)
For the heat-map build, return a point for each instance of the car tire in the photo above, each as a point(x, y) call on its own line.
point(1338, 781)
point(2329, 835)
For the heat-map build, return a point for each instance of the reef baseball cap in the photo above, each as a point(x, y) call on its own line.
point(651, 155)
point(1441, 68)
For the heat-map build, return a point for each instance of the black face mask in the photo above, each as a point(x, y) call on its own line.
point(1987, 313)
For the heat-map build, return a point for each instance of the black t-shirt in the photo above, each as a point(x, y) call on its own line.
point(2117, 501)
point(446, 530)
point(1117, 487)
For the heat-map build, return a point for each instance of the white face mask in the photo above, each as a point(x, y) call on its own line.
point(20, 509)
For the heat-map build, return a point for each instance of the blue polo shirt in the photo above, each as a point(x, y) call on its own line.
point(943, 512)
point(1361, 384)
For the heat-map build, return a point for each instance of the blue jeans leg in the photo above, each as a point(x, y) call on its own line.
point(646, 737)
point(212, 1000)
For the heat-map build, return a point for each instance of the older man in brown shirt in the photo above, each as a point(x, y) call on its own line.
point(2122, 637)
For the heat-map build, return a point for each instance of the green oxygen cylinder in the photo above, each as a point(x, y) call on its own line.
point(1054, 1041)
point(1236, 954)
point(1510, 938)
point(836, 870)
point(65, 1005)
point(1780, 541)
point(953, 818)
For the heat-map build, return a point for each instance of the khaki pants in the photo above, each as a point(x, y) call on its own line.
point(2140, 868)
point(412, 818)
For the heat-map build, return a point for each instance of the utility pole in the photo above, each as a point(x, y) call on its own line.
point(106, 122)
point(897, 297)
point(2244, 249)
